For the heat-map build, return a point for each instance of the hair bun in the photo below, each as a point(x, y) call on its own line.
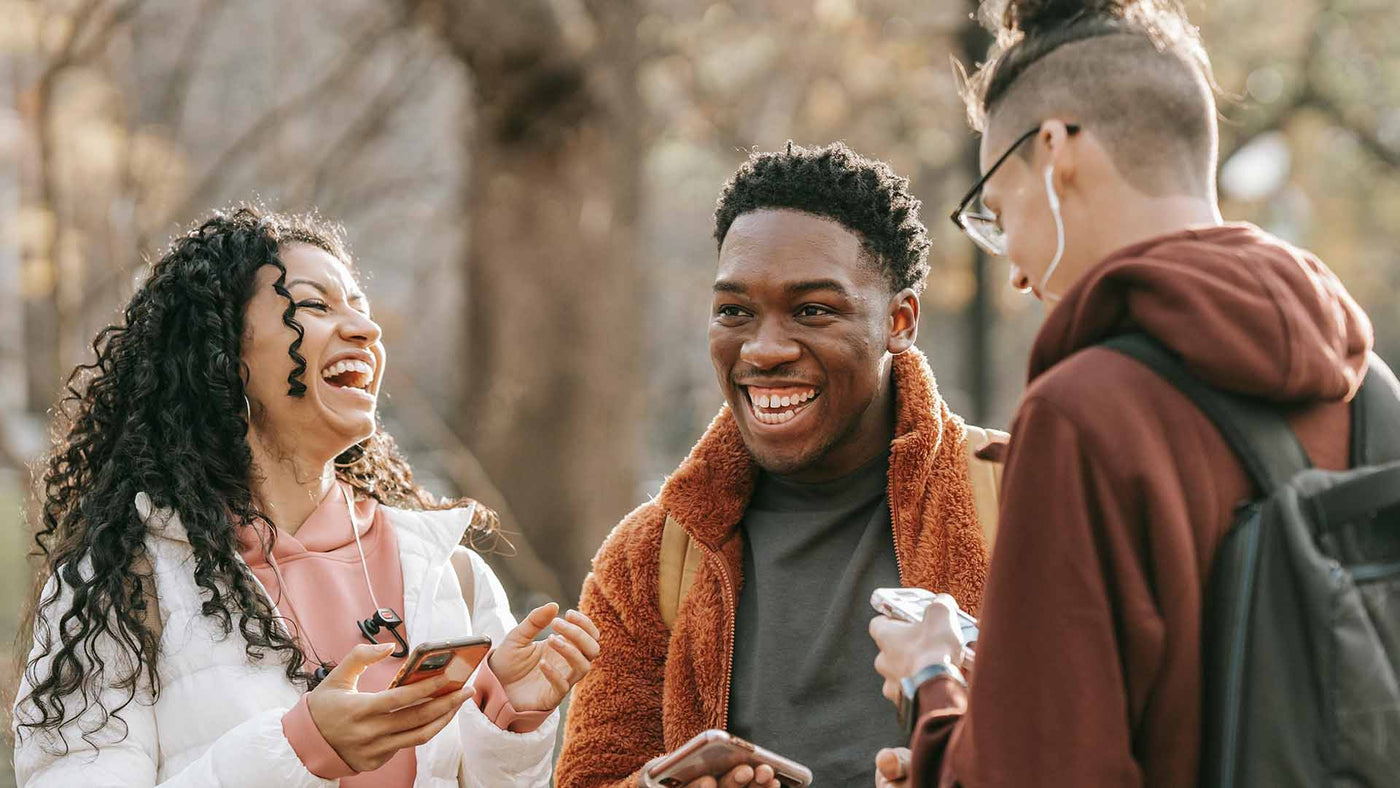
point(1032, 17)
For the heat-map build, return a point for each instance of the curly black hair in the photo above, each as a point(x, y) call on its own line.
point(833, 181)
point(161, 410)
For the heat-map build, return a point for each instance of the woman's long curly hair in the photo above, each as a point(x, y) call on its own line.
point(161, 410)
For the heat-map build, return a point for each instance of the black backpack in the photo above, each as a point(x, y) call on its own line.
point(1302, 609)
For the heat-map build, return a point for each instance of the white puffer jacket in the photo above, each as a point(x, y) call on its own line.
point(218, 718)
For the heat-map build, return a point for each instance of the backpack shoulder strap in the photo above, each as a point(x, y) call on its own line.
point(1258, 434)
point(680, 559)
point(985, 476)
point(1375, 417)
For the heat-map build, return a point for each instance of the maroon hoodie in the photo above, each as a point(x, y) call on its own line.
point(1116, 493)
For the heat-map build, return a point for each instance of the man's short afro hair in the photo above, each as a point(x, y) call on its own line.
point(833, 181)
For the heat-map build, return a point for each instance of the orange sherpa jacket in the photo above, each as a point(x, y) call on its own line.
point(651, 688)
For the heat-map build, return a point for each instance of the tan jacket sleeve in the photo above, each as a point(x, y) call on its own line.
point(615, 721)
point(985, 476)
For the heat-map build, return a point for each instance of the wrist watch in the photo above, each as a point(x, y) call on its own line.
point(909, 691)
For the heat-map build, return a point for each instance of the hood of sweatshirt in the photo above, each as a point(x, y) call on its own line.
point(1246, 311)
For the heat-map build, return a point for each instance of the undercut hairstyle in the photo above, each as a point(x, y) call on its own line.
point(863, 195)
point(1132, 72)
point(161, 410)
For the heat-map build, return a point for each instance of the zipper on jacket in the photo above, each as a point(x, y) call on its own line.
point(894, 522)
point(1234, 670)
point(729, 652)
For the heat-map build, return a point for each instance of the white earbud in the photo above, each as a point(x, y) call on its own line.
point(1059, 233)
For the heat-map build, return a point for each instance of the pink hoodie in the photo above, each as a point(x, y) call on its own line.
point(325, 594)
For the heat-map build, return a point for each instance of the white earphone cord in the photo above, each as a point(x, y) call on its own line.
point(1059, 232)
point(355, 529)
point(285, 593)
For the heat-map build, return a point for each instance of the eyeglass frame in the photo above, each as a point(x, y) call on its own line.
point(972, 194)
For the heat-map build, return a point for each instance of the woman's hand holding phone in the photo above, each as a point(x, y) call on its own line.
point(366, 728)
point(536, 675)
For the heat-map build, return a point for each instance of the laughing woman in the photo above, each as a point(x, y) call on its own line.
point(228, 533)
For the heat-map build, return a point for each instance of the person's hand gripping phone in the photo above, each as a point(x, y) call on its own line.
point(907, 647)
point(718, 759)
point(366, 728)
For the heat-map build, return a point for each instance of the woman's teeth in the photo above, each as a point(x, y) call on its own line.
point(779, 407)
point(353, 373)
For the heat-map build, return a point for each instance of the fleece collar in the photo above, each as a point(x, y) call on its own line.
point(710, 491)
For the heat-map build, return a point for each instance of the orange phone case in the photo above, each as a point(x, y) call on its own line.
point(714, 753)
point(456, 658)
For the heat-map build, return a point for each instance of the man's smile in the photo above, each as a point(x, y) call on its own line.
point(779, 405)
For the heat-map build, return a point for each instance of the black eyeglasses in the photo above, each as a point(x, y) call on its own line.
point(977, 222)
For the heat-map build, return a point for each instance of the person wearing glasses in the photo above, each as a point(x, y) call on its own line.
point(1099, 148)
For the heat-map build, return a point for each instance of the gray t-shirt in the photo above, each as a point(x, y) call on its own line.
point(805, 685)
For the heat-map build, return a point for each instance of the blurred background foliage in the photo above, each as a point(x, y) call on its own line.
point(527, 187)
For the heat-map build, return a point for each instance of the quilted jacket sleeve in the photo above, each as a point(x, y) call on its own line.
point(492, 756)
point(123, 751)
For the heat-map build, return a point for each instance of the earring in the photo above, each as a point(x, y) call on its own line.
point(248, 410)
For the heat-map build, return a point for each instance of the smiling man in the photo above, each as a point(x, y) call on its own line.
point(738, 598)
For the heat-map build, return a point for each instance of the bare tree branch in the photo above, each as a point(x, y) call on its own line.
point(177, 88)
point(9, 456)
point(45, 314)
point(356, 54)
point(65, 55)
point(470, 478)
point(363, 194)
point(97, 44)
point(1368, 138)
point(370, 125)
point(1282, 113)
point(171, 113)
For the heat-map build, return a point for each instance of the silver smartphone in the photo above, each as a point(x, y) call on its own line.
point(908, 604)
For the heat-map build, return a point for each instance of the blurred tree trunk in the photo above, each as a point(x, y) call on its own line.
point(973, 41)
point(52, 207)
point(42, 336)
point(554, 336)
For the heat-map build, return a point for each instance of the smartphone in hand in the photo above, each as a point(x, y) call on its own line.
point(909, 604)
point(456, 659)
point(714, 753)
